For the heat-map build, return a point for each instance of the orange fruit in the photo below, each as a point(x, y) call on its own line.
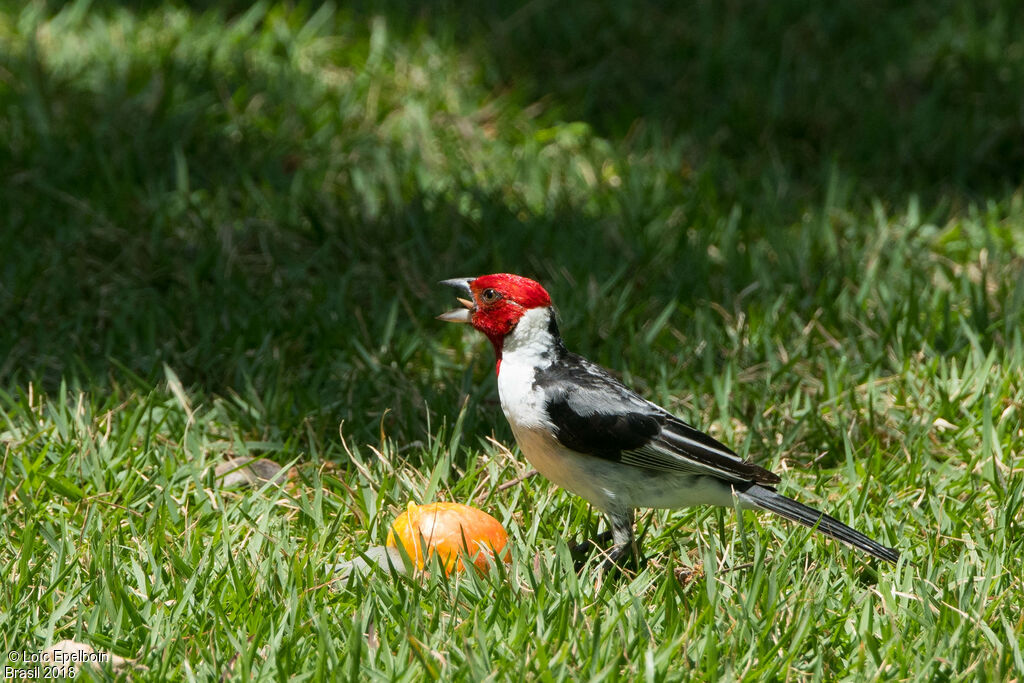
point(450, 530)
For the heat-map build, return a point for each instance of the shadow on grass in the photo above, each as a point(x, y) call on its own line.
point(140, 228)
point(920, 97)
point(905, 96)
point(181, 211)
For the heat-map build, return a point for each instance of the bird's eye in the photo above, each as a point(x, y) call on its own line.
point(490, 296)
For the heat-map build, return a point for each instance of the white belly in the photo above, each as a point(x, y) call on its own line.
point(613, 487)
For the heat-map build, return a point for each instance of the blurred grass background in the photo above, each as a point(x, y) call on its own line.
point(800, 226)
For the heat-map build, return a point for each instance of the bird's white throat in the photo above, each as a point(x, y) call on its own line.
point(529, 347)
point(531, 342)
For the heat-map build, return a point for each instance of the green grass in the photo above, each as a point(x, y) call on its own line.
point(221, 230)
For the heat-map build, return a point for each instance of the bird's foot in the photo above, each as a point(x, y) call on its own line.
point(617, 556)
point(581, 550)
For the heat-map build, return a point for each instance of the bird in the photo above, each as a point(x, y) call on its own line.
point(584, 430)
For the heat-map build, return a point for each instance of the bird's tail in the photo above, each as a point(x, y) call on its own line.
point(767, 499)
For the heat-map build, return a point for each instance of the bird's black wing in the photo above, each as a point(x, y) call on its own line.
point(592, 412)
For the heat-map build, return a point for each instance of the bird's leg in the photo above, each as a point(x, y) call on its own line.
point(622, 539)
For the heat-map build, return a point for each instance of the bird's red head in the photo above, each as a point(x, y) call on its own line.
point(498, 302)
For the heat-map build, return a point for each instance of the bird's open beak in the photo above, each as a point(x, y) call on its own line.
point(460, 315)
